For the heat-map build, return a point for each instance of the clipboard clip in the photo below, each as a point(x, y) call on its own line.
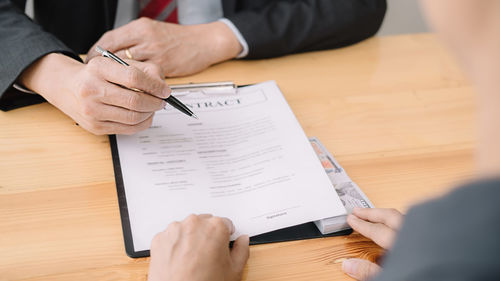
point(213, 88)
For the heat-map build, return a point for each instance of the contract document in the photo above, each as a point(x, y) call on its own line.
point(246, 158)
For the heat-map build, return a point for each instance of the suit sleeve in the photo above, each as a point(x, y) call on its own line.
point(285, 27)
point(22, 42)
point(453, 238)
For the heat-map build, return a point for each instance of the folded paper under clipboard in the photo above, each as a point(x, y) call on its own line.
point(298, 232)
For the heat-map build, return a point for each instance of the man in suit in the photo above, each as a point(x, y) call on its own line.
point(43, 56)
point(215, 30)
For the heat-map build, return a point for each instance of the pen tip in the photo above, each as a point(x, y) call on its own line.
point(194, 116)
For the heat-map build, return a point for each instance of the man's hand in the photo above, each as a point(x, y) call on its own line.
point(89, 93)
point(178, 50)
point(197, 249)
point(381, 226)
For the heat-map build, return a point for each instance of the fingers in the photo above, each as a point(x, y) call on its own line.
point(130, 77)
point(205, 216)
point(149, 68)
point(390, 217)
point(92, 53)
point(123, 129)
point(107, 127)
point(117, 39)
point(102, 106)
point(360, 269)
point(105, 44)
point(124, 37)
point(217, 224)
point(240, 252)
point(128, 99)
point(379, 233)
point(137, 53)
point(198, 246)
point(229, 224)
point(121, 115)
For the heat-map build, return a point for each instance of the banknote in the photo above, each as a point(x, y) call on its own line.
point(349, 192)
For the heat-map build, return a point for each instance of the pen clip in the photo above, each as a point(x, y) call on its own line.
point(214, 88)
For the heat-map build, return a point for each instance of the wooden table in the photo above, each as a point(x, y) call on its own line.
point(395, 111)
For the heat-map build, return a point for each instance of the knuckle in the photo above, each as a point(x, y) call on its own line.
point(160, 238)
point(191, 221)
point(87, 107)
point(142, 24)
point(132, 76)
point(191, 217)
point(94, 64)
point(88, 110)
point(107, 35)
point(173, 227)
point(105, 93)
point(217, 223)
point(156, 89)
point(85, 88)
point(394, 212)
point(196, 224)
point(96, 129)
point(133, 101)
point(171, 230)
point(155, 69)
point(142, 20)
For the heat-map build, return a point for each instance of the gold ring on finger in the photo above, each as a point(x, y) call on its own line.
point(128, 54)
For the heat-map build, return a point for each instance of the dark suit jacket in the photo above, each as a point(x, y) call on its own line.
point(453, 238)
point(270, 27)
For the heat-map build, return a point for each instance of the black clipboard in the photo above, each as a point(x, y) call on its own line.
point(298, 232)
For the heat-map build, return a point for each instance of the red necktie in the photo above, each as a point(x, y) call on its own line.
point(162, 10)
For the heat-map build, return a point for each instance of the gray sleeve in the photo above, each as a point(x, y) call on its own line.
point(22, 42)
point(452, 238)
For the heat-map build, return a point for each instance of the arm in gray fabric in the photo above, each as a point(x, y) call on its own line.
point(22, 42)
point(455, 237)
point(284, 27)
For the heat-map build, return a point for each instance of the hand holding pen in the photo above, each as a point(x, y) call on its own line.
point(90, 95)
point(170, 100)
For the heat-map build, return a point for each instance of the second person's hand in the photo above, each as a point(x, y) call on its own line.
point(178, 49)
point(197, 249)
point(381, 226)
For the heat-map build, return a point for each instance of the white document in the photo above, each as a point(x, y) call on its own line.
point(246, 158)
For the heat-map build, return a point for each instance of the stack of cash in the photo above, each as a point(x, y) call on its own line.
point(350, 194)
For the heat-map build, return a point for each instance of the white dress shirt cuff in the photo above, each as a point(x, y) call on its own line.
point(238, 35)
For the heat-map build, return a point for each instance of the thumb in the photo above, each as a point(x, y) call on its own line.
point(240, 252)
point(91, 54)
point(360, 269)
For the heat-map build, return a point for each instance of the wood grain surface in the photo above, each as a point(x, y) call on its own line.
point(395, 111)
